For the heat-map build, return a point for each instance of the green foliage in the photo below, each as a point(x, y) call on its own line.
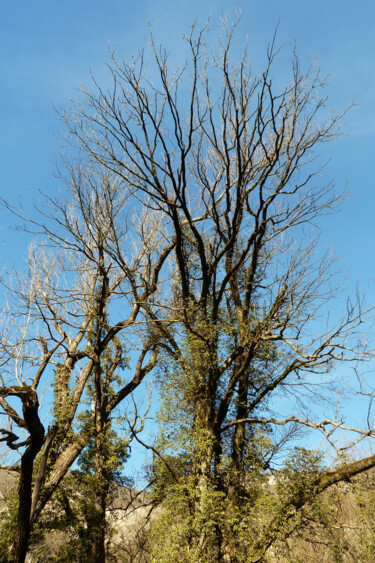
point(70, 511)
point(8, 525)
point(300, 471)
point(80, 502)
point(204, 525)
point(222, 515)
point(176, 533)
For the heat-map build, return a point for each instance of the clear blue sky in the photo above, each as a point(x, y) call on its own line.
point(49, 47)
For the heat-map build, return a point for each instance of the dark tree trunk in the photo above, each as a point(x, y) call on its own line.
point(36, 429)
point(99, 525)
point(102, 474)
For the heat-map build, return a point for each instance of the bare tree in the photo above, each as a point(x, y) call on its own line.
point(226, 162)
point(83, 326)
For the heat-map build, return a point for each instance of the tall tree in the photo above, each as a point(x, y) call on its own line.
point(225, 160)
point(187, 237)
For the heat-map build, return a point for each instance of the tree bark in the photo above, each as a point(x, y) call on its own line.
point(36, 429)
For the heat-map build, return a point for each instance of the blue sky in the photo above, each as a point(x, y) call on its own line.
point(48, 48)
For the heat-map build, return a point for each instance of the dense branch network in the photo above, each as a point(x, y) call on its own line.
point(185, 245)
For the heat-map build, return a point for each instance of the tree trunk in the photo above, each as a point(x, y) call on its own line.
point(98, 523)
point(36, 429)
point(99, 527)
point(206, 444)
point(102, 477)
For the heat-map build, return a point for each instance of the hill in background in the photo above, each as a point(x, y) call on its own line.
point(339, 527)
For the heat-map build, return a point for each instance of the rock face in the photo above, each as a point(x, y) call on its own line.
point(8, 479)
point(130, 516)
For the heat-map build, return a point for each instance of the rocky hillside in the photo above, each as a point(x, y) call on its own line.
point(128, 516)
point(338, 528)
